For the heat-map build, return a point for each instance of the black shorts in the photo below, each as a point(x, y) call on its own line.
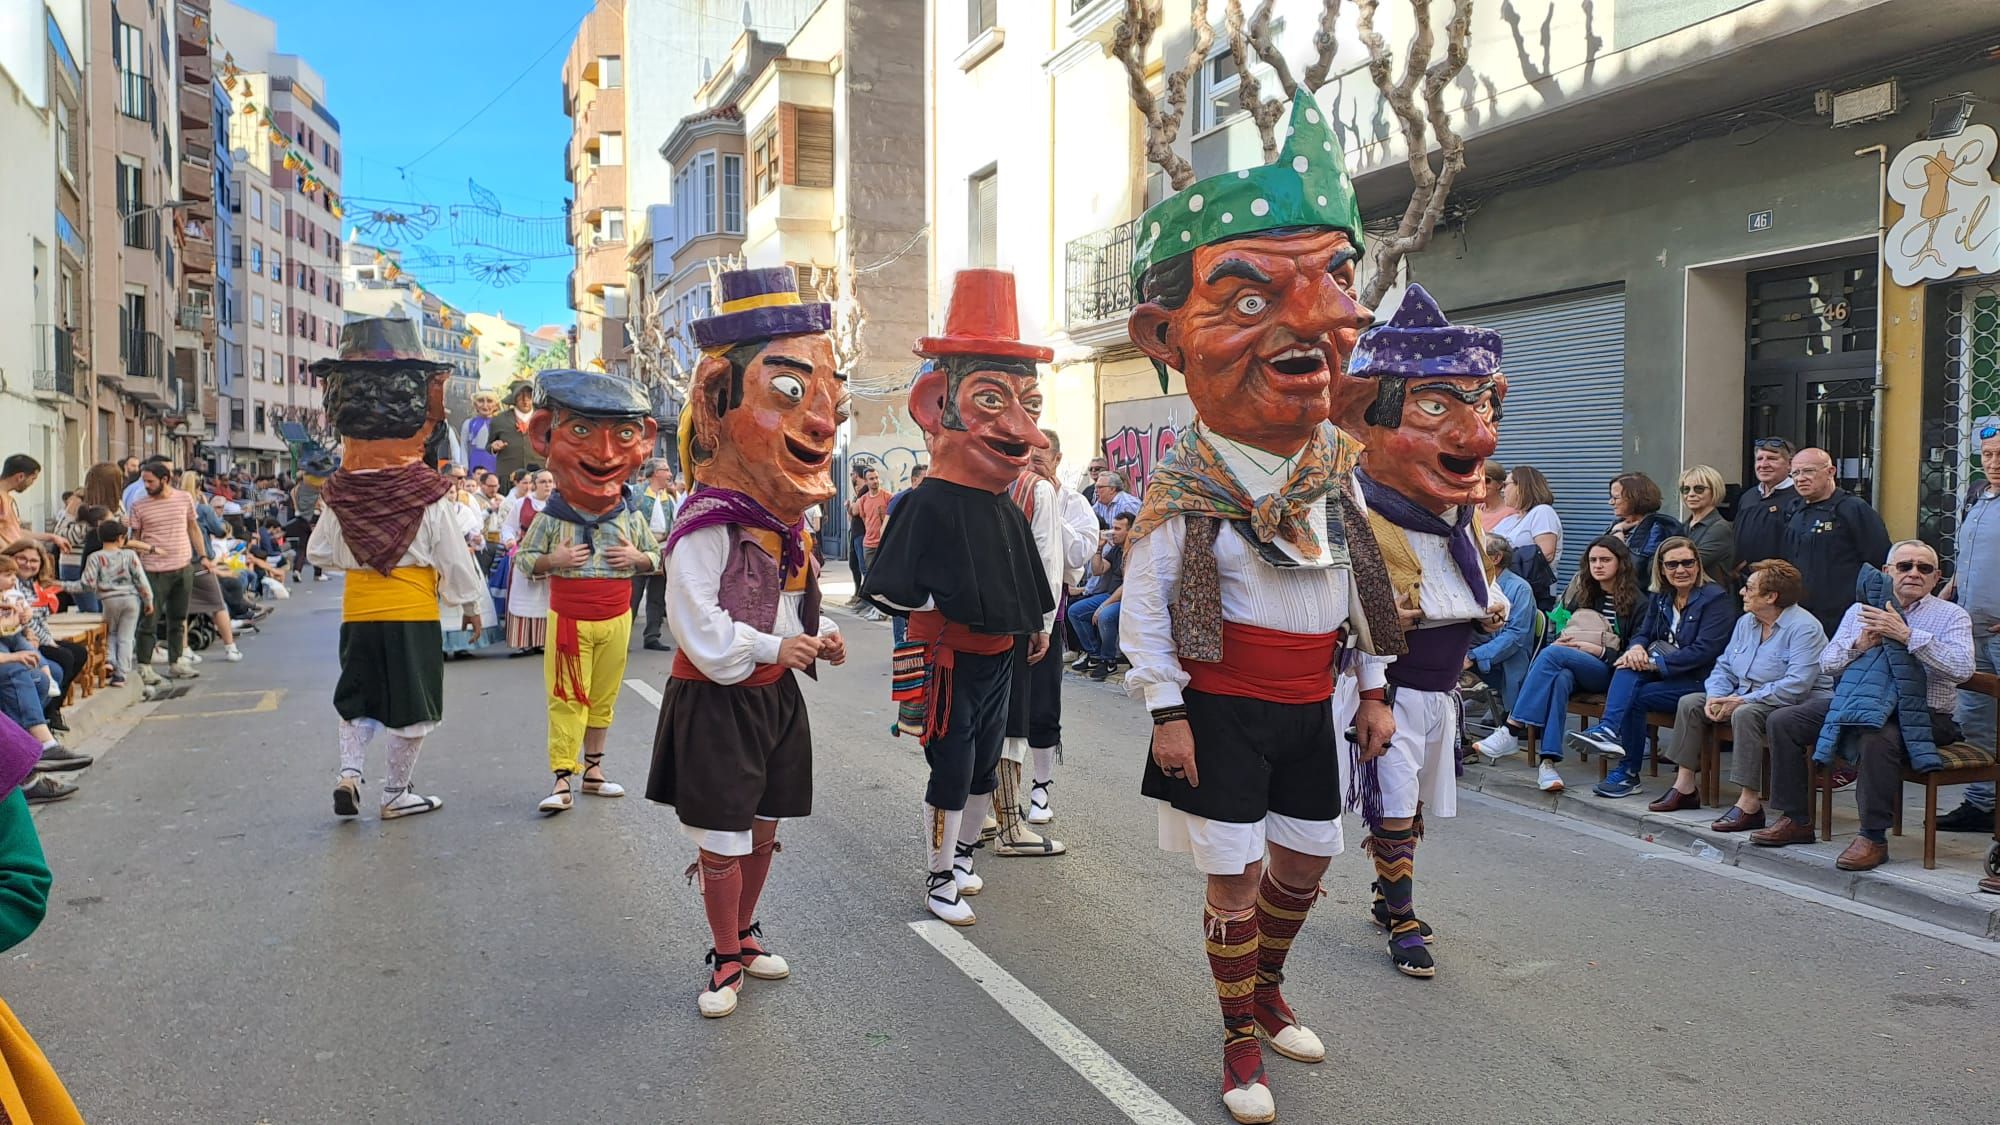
point(1254, 757)
point(725, 755)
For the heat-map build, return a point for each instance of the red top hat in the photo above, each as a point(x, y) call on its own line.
point(982, 321)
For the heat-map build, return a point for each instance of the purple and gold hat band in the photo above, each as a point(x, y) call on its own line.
point(757, 305)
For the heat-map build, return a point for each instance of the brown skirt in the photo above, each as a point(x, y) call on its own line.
point(723, 755)
point(527, 632)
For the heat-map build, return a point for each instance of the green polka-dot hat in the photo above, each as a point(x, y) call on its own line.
point(1307, 186)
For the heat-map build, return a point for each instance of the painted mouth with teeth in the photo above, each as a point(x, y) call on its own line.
point(1298, 364)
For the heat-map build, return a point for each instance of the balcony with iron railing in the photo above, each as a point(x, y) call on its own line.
point(1097, 271)
point(137, 98)
point(145, 362)
point(55, 361)
point(142, 230)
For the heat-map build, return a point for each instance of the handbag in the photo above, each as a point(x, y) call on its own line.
point(1588, 625)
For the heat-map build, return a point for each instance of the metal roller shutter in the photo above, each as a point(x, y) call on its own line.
point(1565, 414)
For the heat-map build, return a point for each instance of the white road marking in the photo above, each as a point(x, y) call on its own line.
point(1123, 1089)
point(646, 691)
point(1729, 871)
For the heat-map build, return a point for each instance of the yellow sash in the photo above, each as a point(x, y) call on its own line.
point(409, 593)
point(30, 1092)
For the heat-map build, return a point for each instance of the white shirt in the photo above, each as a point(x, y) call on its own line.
point(1047, 525)
point(1444, 596)
point(1079, 534)
point(1311, 597)
point(510, 519)
point(440, 545)
point(726, 650)
point(1520, 529)
point(663, 511)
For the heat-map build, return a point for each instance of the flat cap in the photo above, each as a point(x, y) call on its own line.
point(593, 394)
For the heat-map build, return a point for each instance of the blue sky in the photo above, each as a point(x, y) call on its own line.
point(402, 75)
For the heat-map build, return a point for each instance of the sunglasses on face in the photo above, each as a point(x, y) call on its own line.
point(1988, 433)
point(1908, 565)
point(1679, 564)
point(1687, 489)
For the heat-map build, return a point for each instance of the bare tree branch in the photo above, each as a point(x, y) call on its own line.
point(1325, 46)
point(1133, 36)
point(1430, 188)
point(1266, 112)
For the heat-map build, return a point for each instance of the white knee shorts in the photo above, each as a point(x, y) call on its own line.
point(717, 842)
point(1419, 764)
point(1222, 847)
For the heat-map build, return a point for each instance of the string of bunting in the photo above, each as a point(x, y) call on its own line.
point(293, 160)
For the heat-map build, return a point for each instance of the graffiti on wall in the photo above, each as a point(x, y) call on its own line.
point(1139, 432)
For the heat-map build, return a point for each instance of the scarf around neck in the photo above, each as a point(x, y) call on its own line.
point(1405, 513)
point(561, 509)
point(380, 510)
point(711, 507)
point(1193, 479)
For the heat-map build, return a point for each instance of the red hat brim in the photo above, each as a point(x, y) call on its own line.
point(935, 346)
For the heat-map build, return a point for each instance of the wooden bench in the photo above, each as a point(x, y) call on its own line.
point(88, 630)
point(1589, 706)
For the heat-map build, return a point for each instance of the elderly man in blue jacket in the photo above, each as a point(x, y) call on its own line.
point(1910, 622)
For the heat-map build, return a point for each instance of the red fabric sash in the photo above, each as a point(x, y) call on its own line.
point(763, 675)
point(581, 599)
point(946, 639)
point(1266, 664)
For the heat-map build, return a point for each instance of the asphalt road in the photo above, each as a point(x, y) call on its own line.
point(219, 949)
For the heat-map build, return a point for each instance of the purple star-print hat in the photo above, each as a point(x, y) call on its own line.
point(1418, 340)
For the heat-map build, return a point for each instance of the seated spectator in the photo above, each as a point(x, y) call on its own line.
point(1603, 605)
point(1094, 616)
point(1685, 627)
point(25, 688)
point(34, 569)
point(1874, 716)
point(1111, 500)
point(1635, 501)
point(1502, 658)
point(1701, 490)
point(1534, 522)
point(1772, 661)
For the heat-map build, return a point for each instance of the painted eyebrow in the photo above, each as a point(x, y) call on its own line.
point(1468, 397)
point(798, 365)
point(1343, 256)
point(1237, 267)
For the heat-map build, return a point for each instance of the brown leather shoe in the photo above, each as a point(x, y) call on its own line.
point(1786, 831)
point(1990, 884)
point(1736, 820)
point(1673, 800)
point(1862, 855)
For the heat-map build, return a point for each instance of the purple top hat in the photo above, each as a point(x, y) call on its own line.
point(1418, 340)
point(757, 305)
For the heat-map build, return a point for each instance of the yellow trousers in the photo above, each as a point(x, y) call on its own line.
point(601, 645)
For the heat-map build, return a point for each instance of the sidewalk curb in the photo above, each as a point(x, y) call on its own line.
point(1969, 912)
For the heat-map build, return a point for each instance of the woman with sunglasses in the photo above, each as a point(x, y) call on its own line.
point(1687, 624)
point(1701, 491)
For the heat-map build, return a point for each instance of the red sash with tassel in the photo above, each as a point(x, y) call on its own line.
point(944, 640)
point(581, 599)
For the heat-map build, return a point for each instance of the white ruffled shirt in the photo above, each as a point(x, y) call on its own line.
point(725, 650)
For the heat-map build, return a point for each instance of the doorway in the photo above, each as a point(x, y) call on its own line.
point(1809, 363)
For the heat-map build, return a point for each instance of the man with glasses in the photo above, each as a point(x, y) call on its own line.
point(1763, 511)
point(1976, 588)
point(1913, 623)
point(1829, 536)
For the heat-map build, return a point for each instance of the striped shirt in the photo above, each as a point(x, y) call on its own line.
point(1940, 637)
point(161, 522)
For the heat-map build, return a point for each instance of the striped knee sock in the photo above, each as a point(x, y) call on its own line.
point(1395, 853)
point(1232, 960)
point(1281, 911)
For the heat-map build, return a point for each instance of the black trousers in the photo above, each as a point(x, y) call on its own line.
point(965, 759)
point(651, 589)
point(1878, 786)
point(70, 657)
point(1045, 681)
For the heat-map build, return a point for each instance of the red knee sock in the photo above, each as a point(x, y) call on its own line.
point(756, 867)
point(1232, 960)
point(1280, 912)
point(721, 895)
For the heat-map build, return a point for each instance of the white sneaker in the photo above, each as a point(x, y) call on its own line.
point(231, 653)
point(1498, 745)
point(941, 897)
point(1251, 1105)
point(147, 676)
point(190, 657)
point(1547, 779)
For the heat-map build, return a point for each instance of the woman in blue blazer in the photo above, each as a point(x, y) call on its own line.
point(1685, 628)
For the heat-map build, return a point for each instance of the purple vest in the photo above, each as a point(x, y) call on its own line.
point(750, 587)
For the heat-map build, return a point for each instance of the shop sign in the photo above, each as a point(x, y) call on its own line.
point(1951, 208)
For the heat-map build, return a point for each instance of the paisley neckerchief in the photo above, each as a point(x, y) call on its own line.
point(1195, 480)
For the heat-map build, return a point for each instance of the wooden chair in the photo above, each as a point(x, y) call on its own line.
point(1964, 763)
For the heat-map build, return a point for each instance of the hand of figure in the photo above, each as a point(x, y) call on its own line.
point(833, 649)
point(472, 623)
point(496, 445)
point(1887, 624)
point(1866, 640)
point(1635, 660)
point(1374, 727)
point(1173, 751)
point(625, 556)
point(798, 653)
point(1408, 615)
point(1721, 708)
point(1993, 628)
point(1496, 616)
point(564, 557)
point(1038, 647)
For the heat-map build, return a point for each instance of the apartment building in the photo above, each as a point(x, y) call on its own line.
point(203, 109)
point(285, 143)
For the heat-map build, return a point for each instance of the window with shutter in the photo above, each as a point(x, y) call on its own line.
point(983, 221)
point(812, 144)
point(764, 160)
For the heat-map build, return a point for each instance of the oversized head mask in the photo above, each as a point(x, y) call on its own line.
point(1246, 286)
point(979, 400)
point(767, 400)
point(1424, 395)
point(383, 397)
point(594, 430)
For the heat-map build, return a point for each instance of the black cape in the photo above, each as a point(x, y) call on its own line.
point(967, 550)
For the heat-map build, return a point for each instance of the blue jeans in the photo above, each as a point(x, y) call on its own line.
point(1628, 699)
point(1099, 638)
point(1556, 674)
point(86, 601)
point(23, 690)
point(1976, 712)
